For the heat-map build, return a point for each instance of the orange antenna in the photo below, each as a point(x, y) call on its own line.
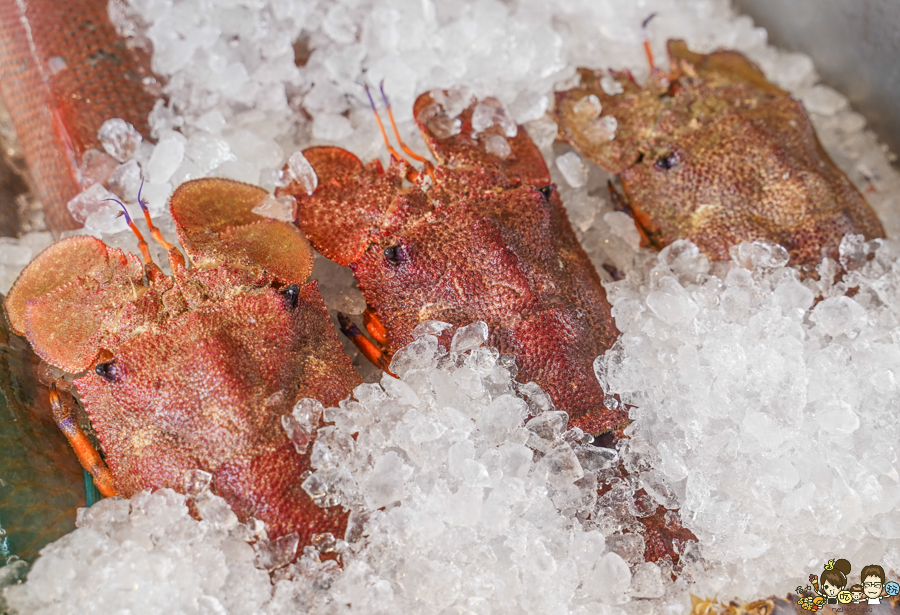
point(142, 244)
point(647, 49)
point(403, 145)
point(176, 259)
point(384, 136)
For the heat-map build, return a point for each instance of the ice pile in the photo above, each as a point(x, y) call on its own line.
point(764, 413)
point(771, 414)
point(458, 506)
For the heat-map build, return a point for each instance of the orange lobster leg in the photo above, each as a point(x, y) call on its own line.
point(372, 352)
point(88, 456)
point(373, 325)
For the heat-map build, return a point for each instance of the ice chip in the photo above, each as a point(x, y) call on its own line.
point(610, 579)
point(277, 553)
point(56, 64)
point(90, 201)
point(96, 167)
point(630, 547)
point(824, 100)
point(573, 169)
point(430, 327)
point(610, 86)
point(623, 225)
point(659, 489)
point(671, 303)
point(546, 429)
point(602, 129)
point(839, 315)
point(119, 138)
point(196, 482)
point(469, 337)
point(384, 484)
point(852, 250)
point(588, 108)
point(562, 464)
point(595, 458)
point(302, 172)
point(166, 157)
point(498, 146)
point(276, 207)
point(308, 413)
point(647, 581)
point(296, 433)
point(420, 354)
point(791, 295)
point(215, 510)
point(491, 112)
point(761, 253)
point(125, 181)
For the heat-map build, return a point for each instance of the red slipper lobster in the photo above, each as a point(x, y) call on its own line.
point(482, 235)
point(192, 371)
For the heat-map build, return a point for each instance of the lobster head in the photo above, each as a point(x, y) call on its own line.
point(196, 370)
point(76, 299)
point(358, 208)
point(716, 154)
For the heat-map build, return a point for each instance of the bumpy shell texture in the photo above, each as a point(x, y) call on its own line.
point(198, 367)
point(717, 155)
point(488, 240)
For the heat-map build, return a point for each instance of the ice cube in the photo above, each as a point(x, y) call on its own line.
point(469, 337)
point(196, 482)
point(277, 553)
point(276, 207)
point(167, 157)
point(302, 172)
point(498, 146)
point(610, 86)
point(839, 315)
point(491, 112)
point(119, 138)
point(90, 201)
point(573, 169)
point(588, 108)
point(546, 429)
point(96, 167)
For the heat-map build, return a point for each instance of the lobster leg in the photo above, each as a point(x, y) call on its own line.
point(88, 456)
point(374, 327)
point(372, 352)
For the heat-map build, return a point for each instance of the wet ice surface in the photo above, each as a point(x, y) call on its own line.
point(767, 417)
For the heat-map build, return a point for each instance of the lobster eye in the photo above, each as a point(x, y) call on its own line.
point(668, 161)
point(107, 370)
point(395, 254)
point(290, 295)
point(546, 191)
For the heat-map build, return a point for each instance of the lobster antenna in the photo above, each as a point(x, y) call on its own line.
point(384, 136)
point(176, 259)
point(647, 49)
point(142, 244)
point(403, 145)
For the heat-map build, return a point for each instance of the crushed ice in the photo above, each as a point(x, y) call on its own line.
point(761, 398)
point(457, 505)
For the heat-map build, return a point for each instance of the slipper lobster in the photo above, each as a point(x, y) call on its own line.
point(482, 235)
point(193, 371)
point(715, 154)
